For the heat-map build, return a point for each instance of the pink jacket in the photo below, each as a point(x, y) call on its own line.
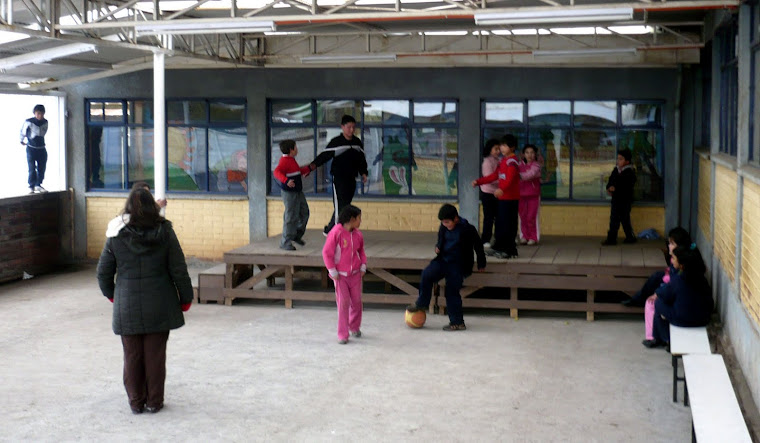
point(343, 252)
point(489, 166)
point(530, 179)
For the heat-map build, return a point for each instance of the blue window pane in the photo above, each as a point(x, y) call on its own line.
point(186, 159)
point(106, 157)
point(228, 160)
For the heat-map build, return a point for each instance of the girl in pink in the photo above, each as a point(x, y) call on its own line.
point(490, 203)
point(530, 196)
point(346, 263)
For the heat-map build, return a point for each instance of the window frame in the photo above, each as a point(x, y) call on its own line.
point(362, 126)
point(729, 88)
point(127, 126)
point(619, 128)
point(754, 125)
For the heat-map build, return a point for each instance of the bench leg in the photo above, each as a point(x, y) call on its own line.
point(685, 392)
point(513, 296)
point(589, 304)
point(674, 362)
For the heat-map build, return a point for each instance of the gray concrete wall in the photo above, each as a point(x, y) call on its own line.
point(467, 85)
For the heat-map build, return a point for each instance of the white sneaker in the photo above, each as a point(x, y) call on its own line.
point(522, 241)
point(486, 245)
point(531, 242)
point(40, 189)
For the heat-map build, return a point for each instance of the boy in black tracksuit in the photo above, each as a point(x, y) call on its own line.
point(620, 187)
point(34, 130)
point(456, 240)
point(347, 153)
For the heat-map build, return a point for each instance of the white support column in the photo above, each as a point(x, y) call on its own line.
point(159, 125)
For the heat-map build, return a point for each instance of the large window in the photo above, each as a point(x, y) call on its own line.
point(578, 142)
point(729, 87)
point(754, 91)
point(411, 146)
point(206, 142)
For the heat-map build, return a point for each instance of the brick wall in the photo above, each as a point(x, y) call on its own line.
point(376, 216)
point(35, 234)
point(588, 220)
point(750, 266)
point(205, 228)
point(703, 201)
point(725, 219)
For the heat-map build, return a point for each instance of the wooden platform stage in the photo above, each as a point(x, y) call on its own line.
point(395, 260)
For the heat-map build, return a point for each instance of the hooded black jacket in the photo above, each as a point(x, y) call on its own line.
point(151, 278)
point(469, 241)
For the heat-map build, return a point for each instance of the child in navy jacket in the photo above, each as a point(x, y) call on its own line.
point(620, 187)
point(296, 215)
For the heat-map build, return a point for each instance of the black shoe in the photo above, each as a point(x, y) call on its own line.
point(652, 343)
point(138, 410)
point(452, 327)
point(415, 308)
point(153, 409)
point(288, 247)
point(632, 303)
point(609, 242)
point(300, 241)
point(630, 241)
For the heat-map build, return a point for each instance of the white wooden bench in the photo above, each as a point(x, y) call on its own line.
point(686, 341)
point(715, 412)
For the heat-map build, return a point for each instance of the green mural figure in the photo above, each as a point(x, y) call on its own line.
point(395, 163)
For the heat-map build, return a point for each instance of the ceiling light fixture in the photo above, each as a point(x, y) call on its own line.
point(556, 16)
point(364, 58)
point(203, 27)
point(44, 55)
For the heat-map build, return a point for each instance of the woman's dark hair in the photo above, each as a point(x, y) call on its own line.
point(530, 146)
point(143, 185)
point(142, 209)
point(489, 146)
point(347, 213)
point(691, 260)
point(680, 236)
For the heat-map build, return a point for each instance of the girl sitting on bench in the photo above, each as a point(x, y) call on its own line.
point(686, 300)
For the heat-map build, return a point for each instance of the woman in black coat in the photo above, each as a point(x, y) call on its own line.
point(151, 291)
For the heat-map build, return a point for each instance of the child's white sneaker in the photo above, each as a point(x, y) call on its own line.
point(357, 333)
point(531, 242)
point(486, 245)
point(342, 342)
point(524, 242)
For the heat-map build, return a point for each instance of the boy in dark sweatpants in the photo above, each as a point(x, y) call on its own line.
point(456, 240)
point(34, 130)
point(296, 215)
point(620, 187)
point(347, 154)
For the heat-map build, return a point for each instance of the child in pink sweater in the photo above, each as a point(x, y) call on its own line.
point(346, 263)
point(530, 196)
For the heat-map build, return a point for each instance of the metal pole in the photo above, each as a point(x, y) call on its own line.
point(159, 125)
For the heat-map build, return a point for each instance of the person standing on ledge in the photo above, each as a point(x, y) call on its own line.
point(347, 153)
point(34, 130)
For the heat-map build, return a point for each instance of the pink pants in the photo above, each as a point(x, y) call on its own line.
point(348, 297)
point(528, 210)
point(649, 319)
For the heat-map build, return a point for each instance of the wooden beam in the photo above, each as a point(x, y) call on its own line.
point(395, 281)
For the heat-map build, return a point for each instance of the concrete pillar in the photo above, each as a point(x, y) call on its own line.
point(159, 126)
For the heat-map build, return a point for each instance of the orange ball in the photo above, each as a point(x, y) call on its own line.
point(415, 319)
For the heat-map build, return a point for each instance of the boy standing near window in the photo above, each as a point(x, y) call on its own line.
point(296, 215)
point(34, 130)
point(347, 153)
point(620, 187)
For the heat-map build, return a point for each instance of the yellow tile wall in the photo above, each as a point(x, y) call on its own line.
point(376, 216)
point(574, 220)
point(725, 219)
point(750, 278)
point(703, 201)
point(205, 228)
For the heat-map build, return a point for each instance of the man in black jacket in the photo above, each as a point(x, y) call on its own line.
point(347, 154)
point(457, 238)
point(620, 187)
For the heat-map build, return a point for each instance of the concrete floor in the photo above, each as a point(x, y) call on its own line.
point(256, 371)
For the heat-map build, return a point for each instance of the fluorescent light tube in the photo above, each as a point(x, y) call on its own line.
point(201, 27)
point(549, 16)
point(364, 58)
point(591, 52)
point(45, 55)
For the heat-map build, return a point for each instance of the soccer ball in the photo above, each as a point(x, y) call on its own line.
point(415, 319)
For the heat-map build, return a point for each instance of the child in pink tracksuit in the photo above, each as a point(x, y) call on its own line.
point(530, 196)
point(346, 263)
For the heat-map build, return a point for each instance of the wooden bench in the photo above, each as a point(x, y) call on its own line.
point(715, 412)
point(686, 341)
